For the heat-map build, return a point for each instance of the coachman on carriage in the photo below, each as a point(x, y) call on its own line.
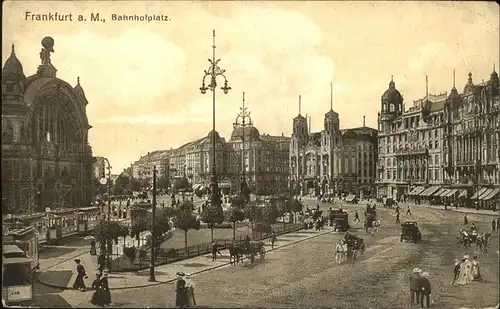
point(370, 218)
point(355, 245)
point(410, 232)
point(247, 248)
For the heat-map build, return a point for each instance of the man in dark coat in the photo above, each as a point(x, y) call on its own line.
point(425, 289)
point(80, 274)
point(101, 261)
point(415, 285)
point(214, 251)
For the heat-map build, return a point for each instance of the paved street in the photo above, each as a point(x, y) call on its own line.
point(305, 274)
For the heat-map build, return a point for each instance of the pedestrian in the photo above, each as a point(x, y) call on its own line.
point(397, 217)
point(476, 274)
point(190, 290)
point(93, 250)
point(456, 271)
point(408, 211)
point(101, 261)
point(106, 293)
point(181, 293)
point(273, 240)
point(214, 251)
point(80, 274)
point(493, 225)
point(414, 285)
point(96, 299)
point(466, 221)
point(356, 216)
point(425, 289)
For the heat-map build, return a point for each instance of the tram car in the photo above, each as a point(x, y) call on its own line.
point(24, 238)
point(54, 225)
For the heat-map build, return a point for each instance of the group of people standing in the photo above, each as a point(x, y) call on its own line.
point(465, 271)
point(184, 291)
point(341, 251)
point(420, 287)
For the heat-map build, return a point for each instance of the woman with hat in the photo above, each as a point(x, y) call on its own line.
point(190, 290)
point(106, 293)
point(463, 279)
point(80, 274)
point(181, 299)
point(97, 295)
point(476, 275)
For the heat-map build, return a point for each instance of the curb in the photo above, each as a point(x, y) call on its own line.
point(193, 273)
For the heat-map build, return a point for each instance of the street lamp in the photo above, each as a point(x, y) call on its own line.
point(241, 121)
point(105, 181)
point(214, 71)
point(153, 223)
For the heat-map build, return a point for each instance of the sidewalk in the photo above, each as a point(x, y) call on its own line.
point(63, 275)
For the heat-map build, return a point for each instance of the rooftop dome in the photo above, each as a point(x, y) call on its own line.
point(12, 65)
point(392, 94)
point(494, 79)
point(251, 132)
point(469, 87)
point(79, 92)
point(454, 95)
point(217, 136)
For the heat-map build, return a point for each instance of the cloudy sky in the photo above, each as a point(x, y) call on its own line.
point(141, 79)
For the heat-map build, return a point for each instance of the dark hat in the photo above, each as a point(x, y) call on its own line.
point(181, 274)
point(78, 260)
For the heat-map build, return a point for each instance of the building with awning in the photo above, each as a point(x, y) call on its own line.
point(416, 191)
point(480, 192)
point(429, 191)
point(491, 194)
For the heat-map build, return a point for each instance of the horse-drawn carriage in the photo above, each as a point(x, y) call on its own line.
point(355, 246)
point(249, 249)
point(410, 232)
point(468, 238)
point(340, 220)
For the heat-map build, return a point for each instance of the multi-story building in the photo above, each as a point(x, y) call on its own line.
point(337, 161)
point(265, 157)
point(444, 146)
point(142, 169)
point(46, 156)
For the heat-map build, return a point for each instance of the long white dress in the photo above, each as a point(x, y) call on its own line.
point(475, 271)
point(463, 279)
point(468, 264)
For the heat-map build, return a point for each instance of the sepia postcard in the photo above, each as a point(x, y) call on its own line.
point(250, 154)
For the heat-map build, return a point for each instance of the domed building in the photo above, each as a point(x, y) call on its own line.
point(333, 161)
point(46, 157)
point(443, 148)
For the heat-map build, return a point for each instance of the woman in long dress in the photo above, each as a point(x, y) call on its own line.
point(181, 300)
point(190, 290)
point(106, 293)
point(476, 274)
point(463, 279)
point(97, 295)
point(468, 265)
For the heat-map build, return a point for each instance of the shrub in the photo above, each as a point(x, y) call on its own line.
point(129, 252)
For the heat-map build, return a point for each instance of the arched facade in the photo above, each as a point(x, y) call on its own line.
point(46, 157)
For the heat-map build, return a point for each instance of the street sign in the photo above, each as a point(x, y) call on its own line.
point(103, 181)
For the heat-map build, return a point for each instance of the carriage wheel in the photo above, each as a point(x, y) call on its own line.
point(262, 253)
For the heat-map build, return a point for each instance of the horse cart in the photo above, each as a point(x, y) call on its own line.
point(340, 220)
point(355, 246)
point(410, 232)
point(249, 249)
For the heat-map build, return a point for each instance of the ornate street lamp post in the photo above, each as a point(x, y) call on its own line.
point(153, 223)
point(105, 181)
point(213, 72)
point(243, 120)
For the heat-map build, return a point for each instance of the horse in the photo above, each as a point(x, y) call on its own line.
point(371, 222)
point(236, 252)
point(482, 242)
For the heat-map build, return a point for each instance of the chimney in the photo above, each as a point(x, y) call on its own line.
point(363, 120)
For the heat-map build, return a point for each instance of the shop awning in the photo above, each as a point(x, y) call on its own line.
point(452, 191)
point(196, 186)
point(491, 195)
point(478, 193)
point(485, 193)
point(444, 192)
point(463, 193)
point(416, 191)
point(438, 193)
point(429, 191)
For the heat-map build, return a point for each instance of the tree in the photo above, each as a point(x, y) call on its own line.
point(212, 215)
point(163, 183)
point(134, 185)
point(236, 213)
point(139, 225)
point(104, 232)
point(253, 212)
point(185, 220)
point(162, 226)
point(121, 185)
point(181, 184)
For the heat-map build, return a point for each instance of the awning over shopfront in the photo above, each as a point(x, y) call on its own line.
point(416, 191)
point(451, 192)
point(485, 193)
point(197, 186)
point(463, 193)
point(438, 193)
point(429, 191)
point(444, 192)
point(479, 193)
point(491, 195)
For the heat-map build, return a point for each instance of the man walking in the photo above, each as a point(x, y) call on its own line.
point(408, 211)
point(356, 216)
point(215, 249)
point(273, 239)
